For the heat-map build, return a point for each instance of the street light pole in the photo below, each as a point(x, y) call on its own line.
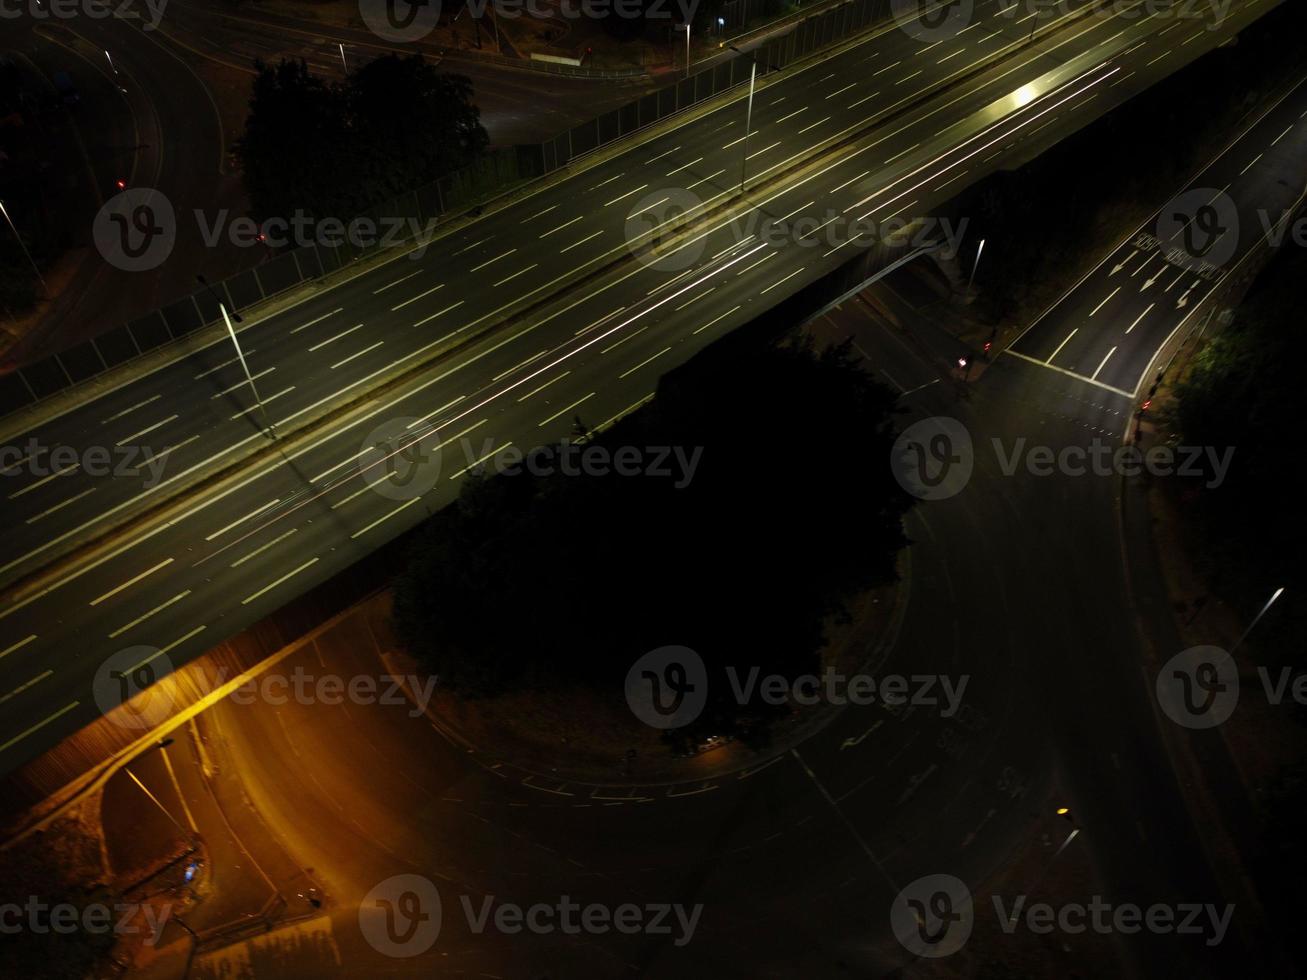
point(976, 264)
point(687, 49)
point(23, 246)
point(240, 355)
point(748, 124)
point(1269, 603)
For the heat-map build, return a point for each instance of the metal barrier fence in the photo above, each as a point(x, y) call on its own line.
point(26, 385)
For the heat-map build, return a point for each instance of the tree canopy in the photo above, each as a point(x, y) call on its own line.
point(333, 149)
point(557, 580)
point(1243, 392)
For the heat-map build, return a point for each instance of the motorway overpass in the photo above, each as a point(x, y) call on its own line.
point(311, 504)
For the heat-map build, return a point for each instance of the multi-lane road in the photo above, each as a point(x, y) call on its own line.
point(226, 558)
point(1107, 329)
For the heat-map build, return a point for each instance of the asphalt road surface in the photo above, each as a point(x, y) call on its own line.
point(1106, 330)
point(233, 557)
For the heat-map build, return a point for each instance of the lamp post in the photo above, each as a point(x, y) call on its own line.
point(748, 112)
point(1269, 602)
point(976, 264)
point(270, 432)
point(686, 25)
point(23, 246)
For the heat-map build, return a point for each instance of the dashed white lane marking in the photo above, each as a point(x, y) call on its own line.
point(331, 340)
point(145, 431)
point(295, 571)
point(416, 272)
point(357, 354)
point(625, 196)
point(502, 255)
point(130, 582)
point(562, 411)
point(520, 272)
point(1140, 317)
point(243, 382)
point(118, 415)
point(1061, 345)
point(1106, 300)
point(142, 618)
point(263, 547)
point(428, 292)
point(39, 725)
point(385, 517)
point(562, 226)
point(428, 319)
point(305, 326)
point(241, 520)
point(59, 506)
point(1101, 364)
point(17, 646)
point(637, 367)
point(581, 242)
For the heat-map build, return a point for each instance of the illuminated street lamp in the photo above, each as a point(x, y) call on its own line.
point(1269, 602)
point(748, 113)
point(23, 246)
point(270, 432)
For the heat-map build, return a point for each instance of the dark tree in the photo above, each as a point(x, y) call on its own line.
point(558, 580)
point(295, 148)
point(411, 124)
point(334, 150)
